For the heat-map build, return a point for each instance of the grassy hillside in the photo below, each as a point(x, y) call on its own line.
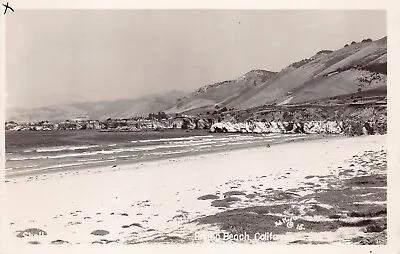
point(221, 94)
point(352, 69)
point(358, 66)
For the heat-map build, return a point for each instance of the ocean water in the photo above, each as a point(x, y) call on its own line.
point(44, 154)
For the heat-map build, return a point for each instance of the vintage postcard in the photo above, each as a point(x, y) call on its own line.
point(127, 127)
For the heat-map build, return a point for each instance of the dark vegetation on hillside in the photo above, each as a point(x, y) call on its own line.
point(377, 68)
point(363, 41)
point(301, 63)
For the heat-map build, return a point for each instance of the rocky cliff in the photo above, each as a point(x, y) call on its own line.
point(310, 127)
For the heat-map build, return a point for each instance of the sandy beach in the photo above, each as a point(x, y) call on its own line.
point(187, 199)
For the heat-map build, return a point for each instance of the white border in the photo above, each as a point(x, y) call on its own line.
point(2, 119)
point(393, 26)
point(200, 4)
point(394, 107)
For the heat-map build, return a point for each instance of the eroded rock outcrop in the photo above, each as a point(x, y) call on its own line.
point(310, 127)
point(202, 124)
point(188, 124)
point(352, 128)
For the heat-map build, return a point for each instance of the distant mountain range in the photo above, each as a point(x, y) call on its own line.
point(97, 110)
point(354, 68)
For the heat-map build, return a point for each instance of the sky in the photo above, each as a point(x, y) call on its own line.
point(62, 56)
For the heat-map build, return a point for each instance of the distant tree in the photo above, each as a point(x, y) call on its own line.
point(359, 89)
point(353, 42)
point(367, 40)
point(162, 115)
point(287, 116)
point(346, 45)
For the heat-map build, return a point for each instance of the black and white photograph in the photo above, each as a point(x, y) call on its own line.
point(195, 126)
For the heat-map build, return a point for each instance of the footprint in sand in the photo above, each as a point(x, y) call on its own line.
point(59, 241)
point(132, 225)
point(207, 197)
point(106, 241)
point(34, 242)
point(70, 223)
point(100, 232)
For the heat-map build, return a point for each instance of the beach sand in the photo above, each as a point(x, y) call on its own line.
point(164, 201)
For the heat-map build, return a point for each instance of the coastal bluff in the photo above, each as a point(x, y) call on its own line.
point(309, 127)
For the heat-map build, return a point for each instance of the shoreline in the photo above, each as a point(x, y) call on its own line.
point(160, 201)
point(308, 137)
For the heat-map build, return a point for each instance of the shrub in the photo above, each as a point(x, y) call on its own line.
point(366, 40)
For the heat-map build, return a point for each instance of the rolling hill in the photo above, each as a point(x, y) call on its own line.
point(354, 68)
point(222, 94)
